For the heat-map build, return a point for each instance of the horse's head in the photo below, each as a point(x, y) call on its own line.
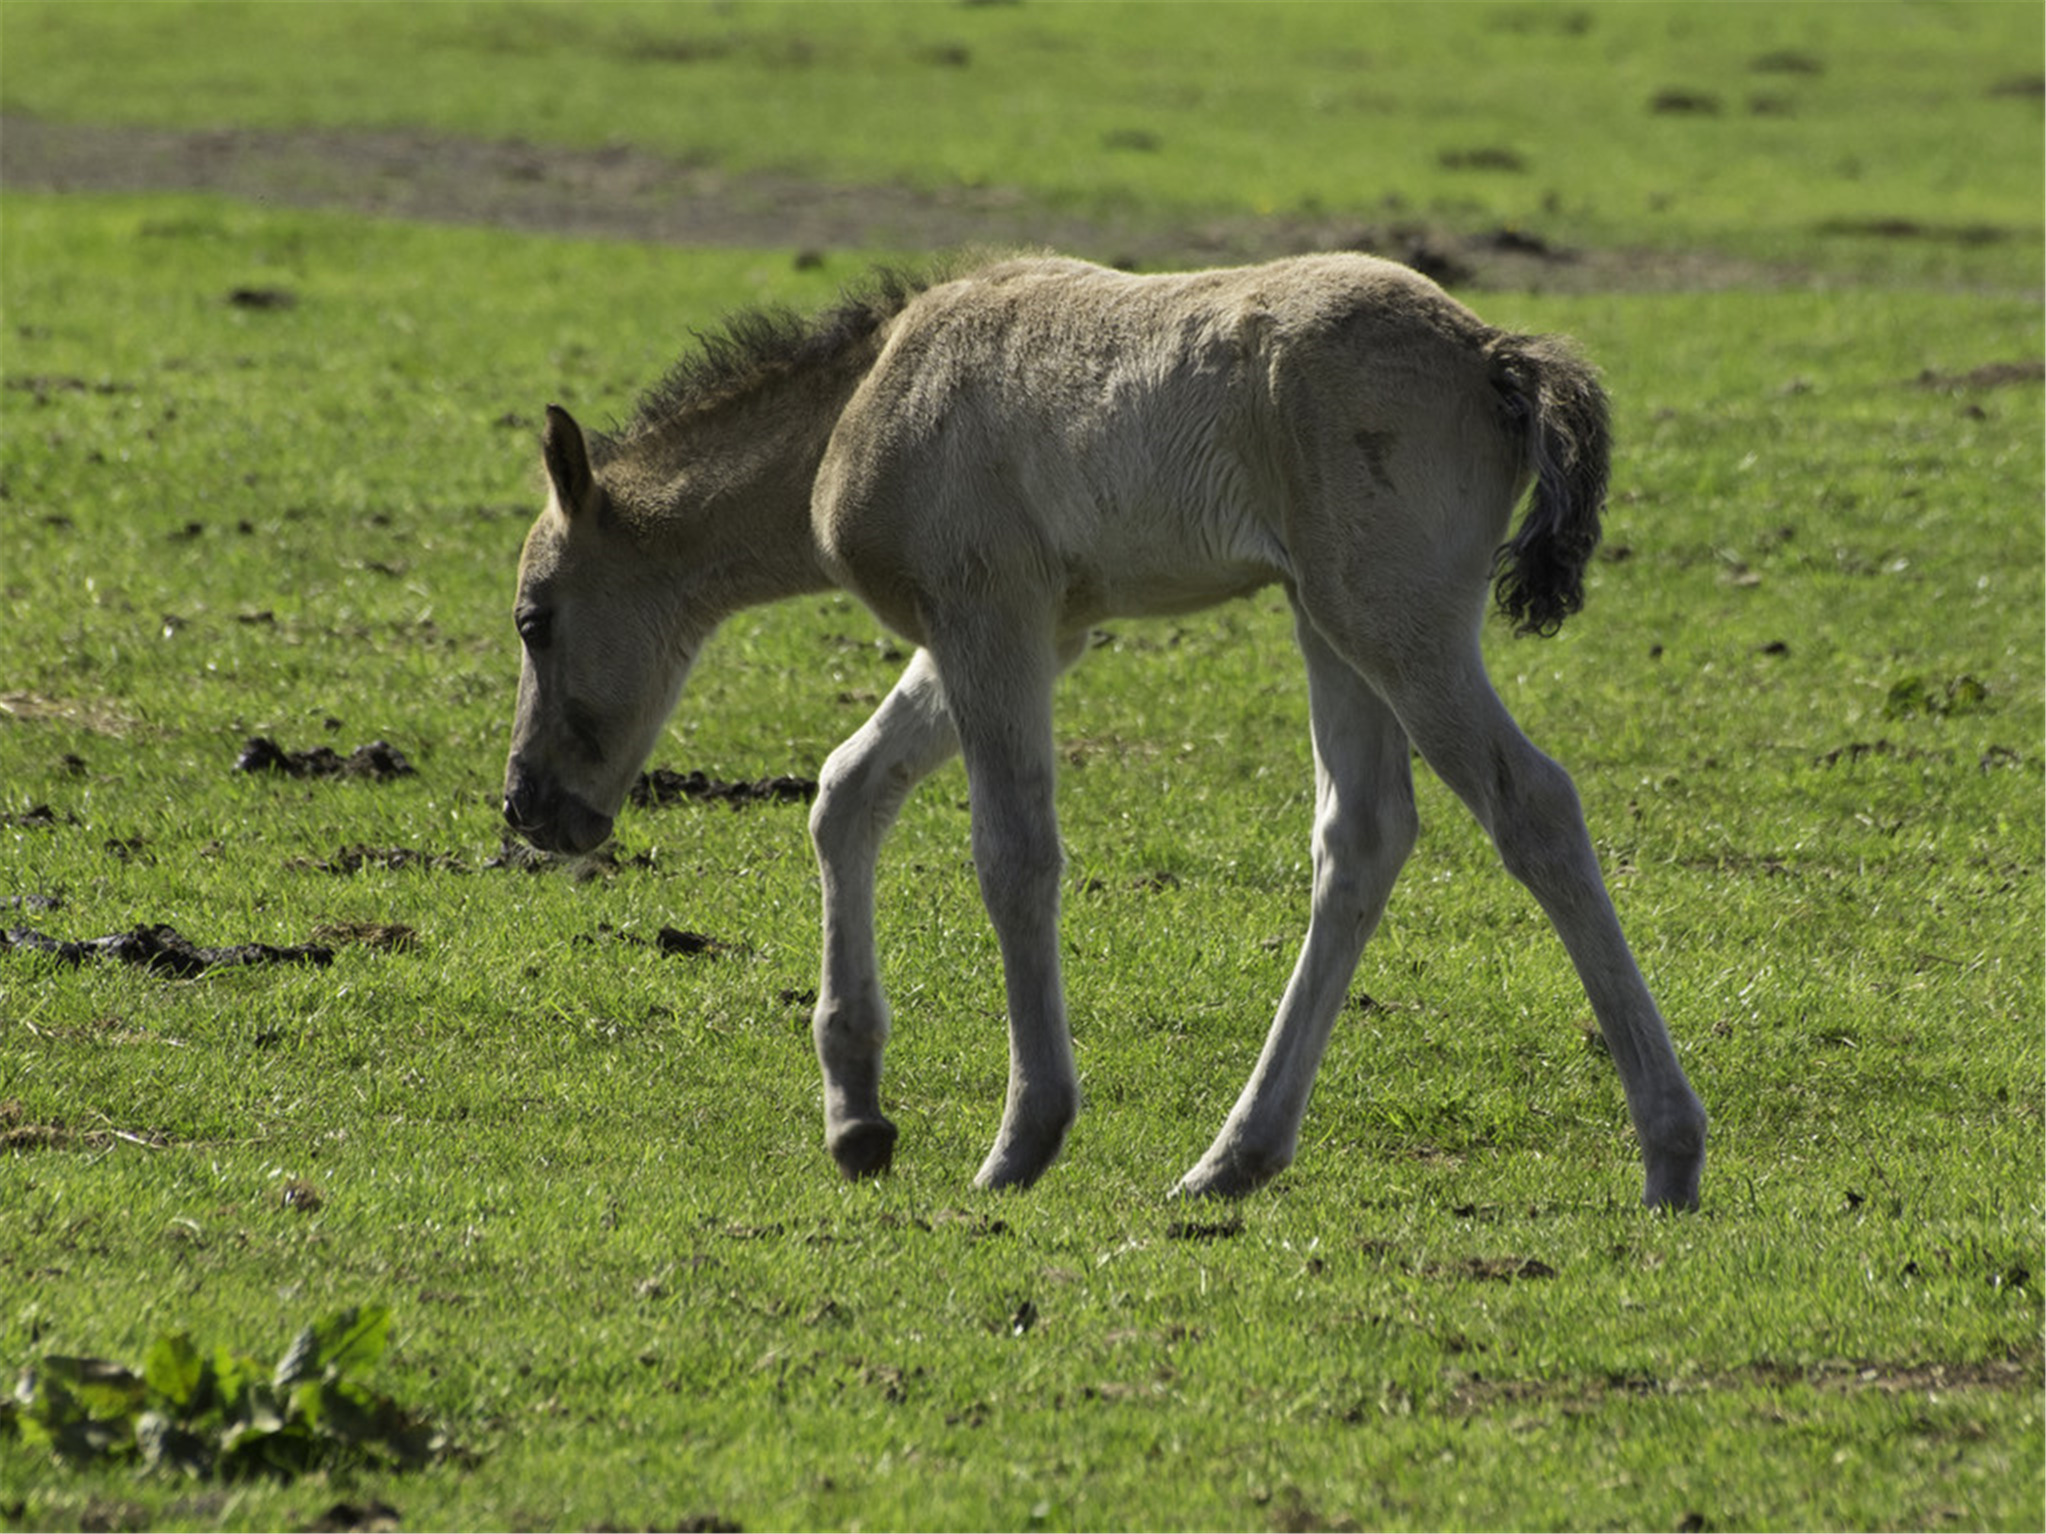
point(607, 647)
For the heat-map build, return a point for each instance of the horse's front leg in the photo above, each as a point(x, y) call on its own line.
point(859, 793)
point(998, 683)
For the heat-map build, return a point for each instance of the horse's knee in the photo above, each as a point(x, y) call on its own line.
point(856, 799)
point(832, 812)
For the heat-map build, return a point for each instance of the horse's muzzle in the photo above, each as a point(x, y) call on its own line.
point(550, 817)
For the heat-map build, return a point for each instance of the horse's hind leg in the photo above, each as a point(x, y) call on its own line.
point(1364, 827)
point(1530, 808)
point(859, 793)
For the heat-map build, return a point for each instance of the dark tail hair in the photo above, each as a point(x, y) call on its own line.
point(1553, 395)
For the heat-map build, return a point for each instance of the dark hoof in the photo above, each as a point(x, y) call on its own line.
point(865, 1149)
point(1236, 1174)
point(1673, 1182)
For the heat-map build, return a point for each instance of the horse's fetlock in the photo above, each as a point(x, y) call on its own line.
point(1034, 1130)
point(1679, 1134)
point(1056, 1109)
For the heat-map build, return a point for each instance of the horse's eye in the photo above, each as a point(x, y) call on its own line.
point(536, 629)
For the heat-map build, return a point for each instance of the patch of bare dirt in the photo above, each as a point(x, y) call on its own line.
point(38, 817)
point(19, 1133)
point(669, 940)
point(1204, 1230)
point(702, 1523)
point(160, 949)
point(665, 786)
point(372, 1516)
point(1991, 375)
point(624, 193)
point(353, 859)
point(1892, 227)
point(378, 761)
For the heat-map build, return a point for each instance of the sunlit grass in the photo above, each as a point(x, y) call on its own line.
point(1796, 132)
point(588, 1176)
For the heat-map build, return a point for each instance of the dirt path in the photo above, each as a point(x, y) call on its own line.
point(626, 194)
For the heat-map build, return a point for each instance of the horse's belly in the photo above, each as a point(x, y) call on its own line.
point(1174, 562)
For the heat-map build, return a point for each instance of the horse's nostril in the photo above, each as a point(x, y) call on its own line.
point(521, 799)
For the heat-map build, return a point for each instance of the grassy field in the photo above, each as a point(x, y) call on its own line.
point(264, 471)
point(1794, 131)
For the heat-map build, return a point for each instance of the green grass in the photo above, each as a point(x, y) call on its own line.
point(1807, 124)
point(1804, 709)
point(588, 1175)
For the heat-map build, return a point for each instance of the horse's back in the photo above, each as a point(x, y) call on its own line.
point(1143, 441)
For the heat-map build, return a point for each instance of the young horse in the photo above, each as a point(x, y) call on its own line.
point(997, 462)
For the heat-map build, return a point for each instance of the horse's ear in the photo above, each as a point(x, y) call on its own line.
point(568, 462)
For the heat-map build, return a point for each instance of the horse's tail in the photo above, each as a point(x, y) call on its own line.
point(1554, 397)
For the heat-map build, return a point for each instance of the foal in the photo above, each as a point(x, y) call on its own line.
point(998, 462)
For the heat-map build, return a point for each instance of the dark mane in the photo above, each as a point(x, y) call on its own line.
point(757, 345)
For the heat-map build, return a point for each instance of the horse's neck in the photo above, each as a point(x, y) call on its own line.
point(737, 506)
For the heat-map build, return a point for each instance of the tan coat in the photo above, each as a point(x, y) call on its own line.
point(998, 462)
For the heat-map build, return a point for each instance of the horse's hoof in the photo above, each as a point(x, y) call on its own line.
point(996, 1179)
point(1674, 1189)
point(865, 1149)
point(1231, 1175)
point(1676, 1163)
point(1031, 1137)
point(1192, 1186)
point(1013, 1169)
